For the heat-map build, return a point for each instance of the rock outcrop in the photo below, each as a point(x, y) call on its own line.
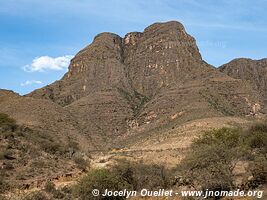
point(154, 79)
point(252, 71)
point(127, 92)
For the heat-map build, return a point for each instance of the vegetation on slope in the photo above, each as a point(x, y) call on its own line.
point(211, 164)
point(28, 157)
point(214, 156)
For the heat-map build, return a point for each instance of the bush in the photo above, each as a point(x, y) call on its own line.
point(212, 159)
point(258, 170)
point(213, 156)
point(141, 175)
point(5, 154)
point(259, 127)
point(3, 185)
point(36, 196)
point(100, 179)
point(52, 147)
point(256, 137)
point(151, 176)
point(49, 187)
point(47, 142)
point(7, 123)
point(123, 175)
point(81, 163)
point(124, 169)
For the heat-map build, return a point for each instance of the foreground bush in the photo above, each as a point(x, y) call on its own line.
point(3, 185)
point(141, 175)
point(256, 140)
point(7, 123)
point(100, 179)
point(80, 162)
point(213, 157)
point(256, 137)
point(124, 175)
point(258, 170)
point(39, 195)
point(212, 160)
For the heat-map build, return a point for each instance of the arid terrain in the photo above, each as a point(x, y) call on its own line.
point(144, 97)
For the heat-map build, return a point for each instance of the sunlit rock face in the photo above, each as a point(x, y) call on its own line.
point(119, 87)
point(254, 71)
point(163, 55)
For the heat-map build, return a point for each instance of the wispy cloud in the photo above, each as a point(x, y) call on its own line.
point(44, 63)
point(31, 82)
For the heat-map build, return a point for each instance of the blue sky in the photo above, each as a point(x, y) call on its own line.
point(38, 36)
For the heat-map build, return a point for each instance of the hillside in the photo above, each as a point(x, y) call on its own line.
point(117, 87)
point(253, 71)
point(144, 97)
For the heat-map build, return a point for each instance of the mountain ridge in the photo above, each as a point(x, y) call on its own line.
point(119, 87)
point(147, 94)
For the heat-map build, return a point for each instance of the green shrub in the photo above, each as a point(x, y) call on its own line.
point(39, 195)
point(259, 127)
point(124, 169)
point(258, 169)
point(4, 186)
point(52, 147)
point(256, 140)
point(225, 136)
point(73, 145)
point(140, 175)
point(81, 163)
point(213, 156)
point(212, 159)
point(100, 179)
point(7, 123)
point(49, 187)
point(5, 153)
point(47, 142)
point(256, 137)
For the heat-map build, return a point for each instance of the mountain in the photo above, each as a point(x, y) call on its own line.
point(253, 71)
point(41, 115)
point(145, 92)
point(118, 88)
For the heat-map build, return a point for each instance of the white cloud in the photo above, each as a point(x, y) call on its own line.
point(43, 63)
point(26, 83)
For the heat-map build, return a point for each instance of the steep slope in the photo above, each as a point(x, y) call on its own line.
point(254, 71)
point(42, 138)
point(44, 116)
point(28, 157)
point(148, 81)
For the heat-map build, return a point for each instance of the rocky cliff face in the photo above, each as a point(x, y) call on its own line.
point(135, 91)
point(164, 54)
point(122, 87)
point(253, 71)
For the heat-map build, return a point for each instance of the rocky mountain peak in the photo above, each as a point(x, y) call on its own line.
point(106, 37)
point(120, 87)
point(164, 54)
point(175, 35)
point(137, 68)
point(160, 56)
point(132, 38)
point(165, 26)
